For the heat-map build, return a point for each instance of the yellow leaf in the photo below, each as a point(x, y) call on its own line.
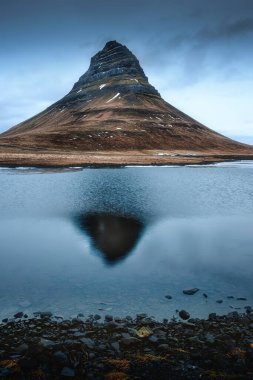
point(144, 331)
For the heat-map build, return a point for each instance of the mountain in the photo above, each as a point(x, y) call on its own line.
point(114, 110)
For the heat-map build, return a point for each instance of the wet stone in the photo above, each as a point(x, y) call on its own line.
point(163, 347)
point(67, 372)
point(212, 316)
point(120, 320)
point(60, 356)
point(115, 346)
point(248, 309)
point(141, 316)
point(184, 314)
point(22, 348)
point(191, 291)
point(130, 341)
point(102, 347)
point(153, 339)
point(112, 325)
point(46, 314)
point(88, 342)
point(210, 338)
point(19, 315)
point(46, 343)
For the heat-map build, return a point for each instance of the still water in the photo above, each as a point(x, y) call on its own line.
point(117, 241)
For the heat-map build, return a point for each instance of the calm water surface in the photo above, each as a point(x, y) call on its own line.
point(117, 241)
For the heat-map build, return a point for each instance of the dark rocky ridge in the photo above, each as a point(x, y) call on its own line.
point(113, 108)
point(115, 60)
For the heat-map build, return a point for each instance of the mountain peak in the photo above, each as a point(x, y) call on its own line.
point(114, 61)
point(111, 45)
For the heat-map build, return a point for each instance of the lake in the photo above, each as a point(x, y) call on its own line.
point(117, 241)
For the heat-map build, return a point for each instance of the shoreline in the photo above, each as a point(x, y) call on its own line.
point(96, 160)
point(50, 347)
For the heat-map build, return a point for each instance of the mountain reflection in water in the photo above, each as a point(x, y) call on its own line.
point(115, 236)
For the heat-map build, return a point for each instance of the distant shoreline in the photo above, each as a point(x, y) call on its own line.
point(112, 159)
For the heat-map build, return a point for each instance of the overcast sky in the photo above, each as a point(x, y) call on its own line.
point(197, 53)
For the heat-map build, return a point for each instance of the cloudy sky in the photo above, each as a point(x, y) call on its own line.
point(197, 53)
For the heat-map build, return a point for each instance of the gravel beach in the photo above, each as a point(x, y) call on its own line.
point(44, 346)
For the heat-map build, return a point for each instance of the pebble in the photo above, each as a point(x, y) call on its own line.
point(184, 314)
point(190, 292)
point(79, 334)
point(163, 347)
point(59, 355)
point(219, 301)
point(141, 316)
point(46, 314)
point(132, 331)
point(46, 343)
point(112, 325)
point(118, 319)
point(67, 372)
point(115, 346)
point(168, 297)
point(108, 318)
point(153, 339)
point(19, 315)
point(88, 342)
point(210, 338)
point(248, 309)
point(102, 347)
point(22, 348)
point(129, 341)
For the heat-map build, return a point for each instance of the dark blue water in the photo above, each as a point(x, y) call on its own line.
point(117, 241)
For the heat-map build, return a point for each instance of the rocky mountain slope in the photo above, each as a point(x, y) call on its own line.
point(113, 108)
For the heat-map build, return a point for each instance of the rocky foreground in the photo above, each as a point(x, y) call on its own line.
point(31, 158)
point(47, 347)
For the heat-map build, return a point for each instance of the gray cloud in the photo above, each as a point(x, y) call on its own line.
point(231, 30)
